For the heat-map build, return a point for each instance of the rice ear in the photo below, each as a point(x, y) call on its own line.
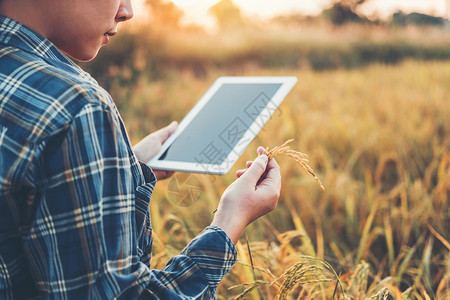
point(299, 157)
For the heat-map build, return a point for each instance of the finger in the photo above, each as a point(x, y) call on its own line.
point(239, 173)
point(272, 175)
point(260, 150)
point(162, 174)
point(242, 171)
point(165, 132)
point(256, 169)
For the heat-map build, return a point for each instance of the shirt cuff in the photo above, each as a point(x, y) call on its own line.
point(214, 252)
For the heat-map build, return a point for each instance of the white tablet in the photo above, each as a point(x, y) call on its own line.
point(222, 124)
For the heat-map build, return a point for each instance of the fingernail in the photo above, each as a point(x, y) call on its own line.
point(173, 124)
point(264, 158)
point(260, 150)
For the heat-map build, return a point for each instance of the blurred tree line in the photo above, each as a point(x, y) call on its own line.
point(341, 37)
point(345, 11)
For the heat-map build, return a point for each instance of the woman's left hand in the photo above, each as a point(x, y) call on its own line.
point(150, 146)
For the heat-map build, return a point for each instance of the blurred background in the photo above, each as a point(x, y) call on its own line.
point(371, 108)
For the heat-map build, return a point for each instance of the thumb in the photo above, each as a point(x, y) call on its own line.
point(256, 170)
point(165, 132)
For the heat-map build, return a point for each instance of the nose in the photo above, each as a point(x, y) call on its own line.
point(125, 11)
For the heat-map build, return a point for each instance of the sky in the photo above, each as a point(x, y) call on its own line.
point(196, 11)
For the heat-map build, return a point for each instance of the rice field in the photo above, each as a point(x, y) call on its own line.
point(377, 137)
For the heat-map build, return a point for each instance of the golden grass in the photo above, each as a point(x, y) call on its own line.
point(379, 138)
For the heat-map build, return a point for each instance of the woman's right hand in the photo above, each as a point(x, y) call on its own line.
point(254, 194)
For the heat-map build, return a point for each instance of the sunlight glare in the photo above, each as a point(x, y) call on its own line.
point(187, 3)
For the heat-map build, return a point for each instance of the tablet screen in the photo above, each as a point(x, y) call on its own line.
point(217, 130)
point(219, 126)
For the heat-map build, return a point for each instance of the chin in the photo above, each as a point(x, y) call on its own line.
point(83, 56)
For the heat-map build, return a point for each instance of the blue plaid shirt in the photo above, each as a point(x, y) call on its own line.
point(74, 217)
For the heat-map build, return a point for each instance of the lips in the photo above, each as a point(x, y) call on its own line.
point(107, 35)
point(105, 39)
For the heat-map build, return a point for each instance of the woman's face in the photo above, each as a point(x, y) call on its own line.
point(81, 27)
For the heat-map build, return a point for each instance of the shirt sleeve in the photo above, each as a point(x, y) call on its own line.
point(91, 236)
point(196, 272)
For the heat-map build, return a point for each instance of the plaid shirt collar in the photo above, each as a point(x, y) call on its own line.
point(15, 34)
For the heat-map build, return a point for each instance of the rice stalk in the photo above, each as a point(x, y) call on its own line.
point(383, 294)
point(307, 245)
point(251, 286)
point(439, 237)
point(250, 256)
point(299, 157)
point(310, 270)
point(249, 274)
point(359, 279)
point(389, 239)
point(262, 270)
point(443, 289)
point(424, 273)
point(408, 293)
point(363, 246)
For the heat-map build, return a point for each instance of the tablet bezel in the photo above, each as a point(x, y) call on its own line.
point(287, 83)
